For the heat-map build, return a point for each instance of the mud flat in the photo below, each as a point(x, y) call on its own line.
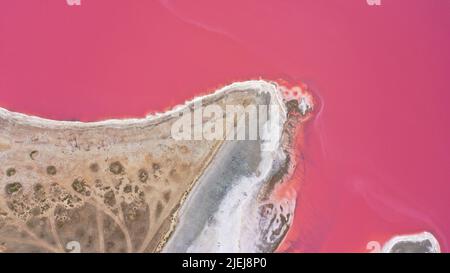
point(131, 186)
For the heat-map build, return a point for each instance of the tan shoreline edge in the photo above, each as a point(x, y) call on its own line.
point(174, 217)
point(113, 185)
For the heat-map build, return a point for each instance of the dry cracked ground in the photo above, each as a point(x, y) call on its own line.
point(118, 186)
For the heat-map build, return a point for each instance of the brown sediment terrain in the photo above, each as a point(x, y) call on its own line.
point(111, 186)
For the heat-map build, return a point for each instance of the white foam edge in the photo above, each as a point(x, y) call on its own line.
point(259, 85)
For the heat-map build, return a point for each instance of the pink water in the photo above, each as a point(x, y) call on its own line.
point(377, 152)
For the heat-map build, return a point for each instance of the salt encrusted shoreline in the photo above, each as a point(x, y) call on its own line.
point(237, 225)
